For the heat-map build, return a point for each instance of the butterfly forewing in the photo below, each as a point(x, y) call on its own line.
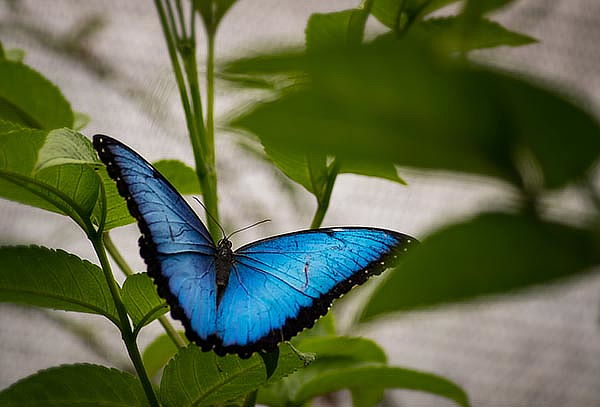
point(174, 243)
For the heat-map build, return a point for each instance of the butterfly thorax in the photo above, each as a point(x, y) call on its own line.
point(223, 262)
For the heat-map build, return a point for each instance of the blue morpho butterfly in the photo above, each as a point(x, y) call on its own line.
point(253, 298)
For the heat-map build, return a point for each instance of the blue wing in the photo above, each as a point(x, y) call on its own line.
point(281, 285)
point(175, 244)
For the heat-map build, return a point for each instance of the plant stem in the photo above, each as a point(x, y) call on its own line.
point(118, 258)
point(126, 332)
point(202, 147)
point(323, 201)
point(116, 255)
point(173, 334)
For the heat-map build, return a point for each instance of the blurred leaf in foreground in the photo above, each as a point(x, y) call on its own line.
point(492, 253)
point(399, 102)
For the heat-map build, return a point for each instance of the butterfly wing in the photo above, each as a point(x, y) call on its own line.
point(175, 244)
point(281, 285)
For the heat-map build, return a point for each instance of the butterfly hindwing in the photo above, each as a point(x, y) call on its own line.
point(281, 285)
point(174, 243)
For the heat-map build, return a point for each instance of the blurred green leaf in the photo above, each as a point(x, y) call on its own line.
point(385, 170)
point(66, 146)
point(67, 189)
point(377, 375)
point(182, 177)
point(196, 378)
point(325, 326)
point(444, 31)
point(397, 101)
point(76, 386)
point(40, 104)
point(81, 120)
point(142, 301)
point(337, 29)
point(14, 54)
point(492, 253)
point(54, 279)
point(158, 353)
point(367, 396)
point(396, 13)
point(563, 139)
point(357, 348)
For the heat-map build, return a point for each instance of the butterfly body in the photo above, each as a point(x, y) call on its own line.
point(252, 298)
point(224, 260)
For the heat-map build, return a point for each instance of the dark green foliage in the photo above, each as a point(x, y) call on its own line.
point(75, 386)
point(196, 378)
point(492, 253)
point(55, 279)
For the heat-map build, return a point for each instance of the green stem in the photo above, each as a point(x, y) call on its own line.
point(126, 332)
point(202, 148)
point(118, 258)
point(116, 255)
point(177, 339)
point(323, 202)
point(205, 155)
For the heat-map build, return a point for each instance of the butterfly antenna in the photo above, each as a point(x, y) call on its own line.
point(210, 216)
point(248, 227)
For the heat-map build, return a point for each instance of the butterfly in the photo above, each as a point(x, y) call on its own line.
point(257, 296)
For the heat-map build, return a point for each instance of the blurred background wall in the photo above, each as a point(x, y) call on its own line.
point(539, 348)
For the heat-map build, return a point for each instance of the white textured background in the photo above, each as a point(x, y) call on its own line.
point(541, 348)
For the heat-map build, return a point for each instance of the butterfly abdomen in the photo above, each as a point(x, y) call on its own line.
point(223, 261)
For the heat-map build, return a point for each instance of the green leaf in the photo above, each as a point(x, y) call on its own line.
point(75, 386)
point(196, 378)
point(67, 189)
point(54, 279)
point(396, 13)
point(142, 301)
point(66, 146)
point(385, 170)
point(363, 396)
point(445, 32)
point(393, 101)
point(81, 120)
point(183, 178)
point(332, 352)
point(325, 326)
point(14, 54)
point(357, 348)
point(158, 353)
point(40, 103)
point(383, 376)
point(117, 213)
point(563, 139)
point(330, 30)
point(492, 253)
